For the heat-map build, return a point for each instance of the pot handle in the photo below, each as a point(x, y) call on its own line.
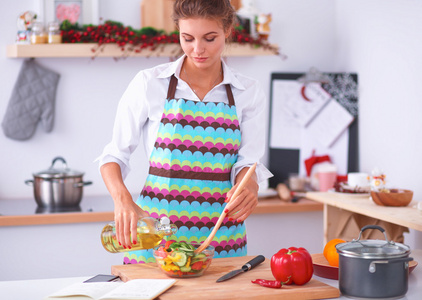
point(29, 182)
point(81, 184)
point(372, 227)
point(61, 159)
point(372, 265)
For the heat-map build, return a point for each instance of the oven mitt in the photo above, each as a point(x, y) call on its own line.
point(32, 101)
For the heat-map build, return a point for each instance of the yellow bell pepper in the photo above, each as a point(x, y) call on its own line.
point(188, 262)
point(170, 267)
point(175, 258)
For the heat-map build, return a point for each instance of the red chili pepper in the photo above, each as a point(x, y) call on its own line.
point(268, 283)
point(292, 265)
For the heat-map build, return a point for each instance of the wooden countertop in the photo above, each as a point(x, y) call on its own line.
point(100, 209)
point(408, 216)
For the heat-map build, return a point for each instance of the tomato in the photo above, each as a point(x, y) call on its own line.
point(292, 265)
point(168, 243)
point(161, 252)
point(197, 266)
point(330, 252)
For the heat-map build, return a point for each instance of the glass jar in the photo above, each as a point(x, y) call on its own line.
point(38, 35)
point(54, 33)
point(150, 232)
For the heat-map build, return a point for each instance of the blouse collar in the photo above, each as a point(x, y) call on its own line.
point(175, 68)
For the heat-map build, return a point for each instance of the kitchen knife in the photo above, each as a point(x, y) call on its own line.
point(246, 267)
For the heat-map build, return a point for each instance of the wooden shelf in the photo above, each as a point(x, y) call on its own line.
point(112, 50)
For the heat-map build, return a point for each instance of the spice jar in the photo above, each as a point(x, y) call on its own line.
point(38, 35)
point(54, 33)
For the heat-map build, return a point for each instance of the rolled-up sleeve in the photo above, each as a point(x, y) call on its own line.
point(252, 127)
point(131, 116)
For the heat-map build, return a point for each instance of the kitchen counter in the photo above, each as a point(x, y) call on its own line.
point(21, 212)
point(407, 216)
point(38, 289)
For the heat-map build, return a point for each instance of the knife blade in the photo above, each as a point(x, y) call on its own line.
point(246, 267)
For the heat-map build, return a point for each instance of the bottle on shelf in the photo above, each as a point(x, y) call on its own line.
point(54, 33)
point(150, 233)
point(38, 35)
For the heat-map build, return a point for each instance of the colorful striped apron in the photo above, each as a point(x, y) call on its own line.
point(189, 174)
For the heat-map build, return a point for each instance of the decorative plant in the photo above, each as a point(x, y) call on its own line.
point(130, 39)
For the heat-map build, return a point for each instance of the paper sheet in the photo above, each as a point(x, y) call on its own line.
point(285, 131)
point(330, 123)
point(290, 111)
point(304, 105)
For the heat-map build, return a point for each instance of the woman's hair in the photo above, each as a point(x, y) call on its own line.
point(220, 10)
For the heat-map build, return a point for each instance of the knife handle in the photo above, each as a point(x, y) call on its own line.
point(253, 263)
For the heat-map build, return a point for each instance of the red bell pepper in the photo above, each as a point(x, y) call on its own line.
point(292, 265)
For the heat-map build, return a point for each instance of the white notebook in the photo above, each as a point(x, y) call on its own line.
point(133, 289)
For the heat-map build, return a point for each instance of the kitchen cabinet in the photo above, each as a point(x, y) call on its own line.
point(408, 216)
point(112, 50)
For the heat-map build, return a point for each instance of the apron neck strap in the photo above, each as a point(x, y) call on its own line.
point(172, 87)
point(173, 84)
point(229, 94)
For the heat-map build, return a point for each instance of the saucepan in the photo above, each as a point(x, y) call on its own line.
point(373, 268)
point(58, 187)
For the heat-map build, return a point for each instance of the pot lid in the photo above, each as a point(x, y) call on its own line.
point(56, 172)
point(373, 248)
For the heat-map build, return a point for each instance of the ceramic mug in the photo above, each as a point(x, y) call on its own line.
point(357, 179)
point(326, 180)
point(326, 175)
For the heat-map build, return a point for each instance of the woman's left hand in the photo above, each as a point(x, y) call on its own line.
point(240, 208)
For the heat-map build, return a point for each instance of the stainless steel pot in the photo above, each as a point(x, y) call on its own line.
point(373, 268)
point(58, 187)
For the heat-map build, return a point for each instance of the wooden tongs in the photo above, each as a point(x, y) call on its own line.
point(223, 214)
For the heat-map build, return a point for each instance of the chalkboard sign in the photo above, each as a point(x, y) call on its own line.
point(283, 162)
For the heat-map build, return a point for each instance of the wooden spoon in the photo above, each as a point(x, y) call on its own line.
point(223, 215)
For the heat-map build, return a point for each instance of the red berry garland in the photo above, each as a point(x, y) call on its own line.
point(130, 39)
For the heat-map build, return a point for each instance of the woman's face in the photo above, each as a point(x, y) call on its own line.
point(202, 41)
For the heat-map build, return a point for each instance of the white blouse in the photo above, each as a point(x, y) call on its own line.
point(142, 104)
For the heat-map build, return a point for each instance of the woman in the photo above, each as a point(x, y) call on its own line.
point(202, 125)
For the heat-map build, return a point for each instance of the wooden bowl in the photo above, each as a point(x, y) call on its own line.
point(395, 197)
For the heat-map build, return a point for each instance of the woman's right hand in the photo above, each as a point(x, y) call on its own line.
point(126, 211)
point(126, 216)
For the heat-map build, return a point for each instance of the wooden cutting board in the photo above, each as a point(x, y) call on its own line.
point(239, 287)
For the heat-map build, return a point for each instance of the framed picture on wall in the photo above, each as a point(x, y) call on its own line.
point(76, 11)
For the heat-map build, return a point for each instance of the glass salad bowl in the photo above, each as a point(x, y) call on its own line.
point(178, 259)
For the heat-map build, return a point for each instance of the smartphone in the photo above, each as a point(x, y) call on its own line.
point(102, 278)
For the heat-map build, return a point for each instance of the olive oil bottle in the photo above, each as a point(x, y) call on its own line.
point(150, 233)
